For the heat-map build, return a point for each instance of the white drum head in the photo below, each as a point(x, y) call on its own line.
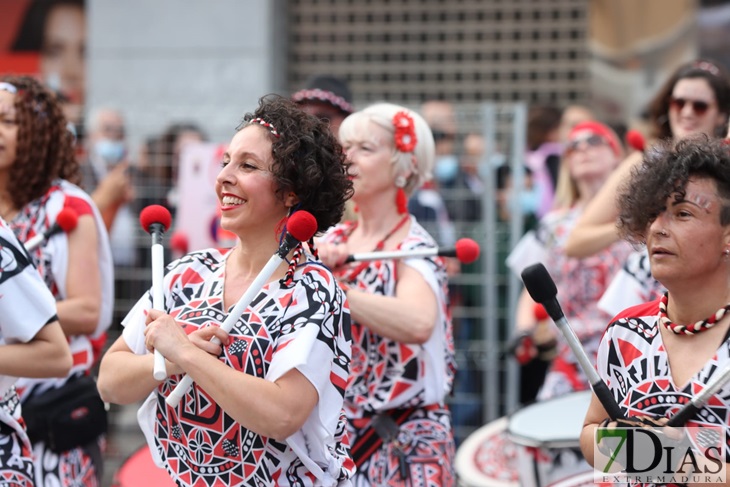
point(556, 423)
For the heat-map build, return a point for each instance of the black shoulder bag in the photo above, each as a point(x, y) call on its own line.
point(66, 417)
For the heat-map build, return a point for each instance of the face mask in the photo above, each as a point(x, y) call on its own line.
point(529, 201)
point(495, 161)
point(446, 168)
point(111, 151)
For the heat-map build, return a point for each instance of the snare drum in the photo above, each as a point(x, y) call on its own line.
point(139, 469)
point(488, 458)
point(547, 435)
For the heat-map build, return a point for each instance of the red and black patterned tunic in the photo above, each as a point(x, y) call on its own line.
point(304, 325)
point(632, 361)
point(387, 375)
point(26, 306)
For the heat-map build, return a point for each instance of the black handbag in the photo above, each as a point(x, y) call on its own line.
point(66, 417)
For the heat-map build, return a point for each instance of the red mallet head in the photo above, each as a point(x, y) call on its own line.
point(540, 312)
point(302, 225)
point(67, 219)
point(179, 242)
point(467, 250)
point(635, 140)
point(155, 214)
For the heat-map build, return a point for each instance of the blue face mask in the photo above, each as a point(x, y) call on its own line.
point(485, 168)
point(111, 151)
point(446, 168)
point(529, 201)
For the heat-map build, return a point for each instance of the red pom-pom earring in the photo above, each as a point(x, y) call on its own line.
point(401, 200)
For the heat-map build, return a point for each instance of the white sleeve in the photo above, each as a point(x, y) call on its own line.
point(26, 304)
point(134, 325)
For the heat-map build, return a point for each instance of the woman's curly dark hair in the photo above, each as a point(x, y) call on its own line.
point(664, 172)
point(45, 147)
point(308, 160)
point(716, 77)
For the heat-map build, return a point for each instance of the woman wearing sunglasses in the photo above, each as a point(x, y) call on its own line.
point(591, 154)
point(695, 100)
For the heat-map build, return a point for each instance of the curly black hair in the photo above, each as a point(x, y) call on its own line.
point(45, 150)
point(664, 172)
point(308, 160)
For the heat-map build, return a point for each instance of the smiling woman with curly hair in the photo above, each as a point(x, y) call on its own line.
point(266, 405)
point(38, 170)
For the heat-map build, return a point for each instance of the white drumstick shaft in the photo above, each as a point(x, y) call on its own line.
point(261, 279)
point(396, 254)
point(158, 301)
point(712, 388)
point(34, 242)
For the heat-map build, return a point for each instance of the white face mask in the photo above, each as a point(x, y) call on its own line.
point(110, 151)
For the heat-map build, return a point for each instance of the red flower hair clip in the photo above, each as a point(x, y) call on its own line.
point(405, 132)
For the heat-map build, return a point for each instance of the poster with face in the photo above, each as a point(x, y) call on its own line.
point(198, 210)
point(47, 39)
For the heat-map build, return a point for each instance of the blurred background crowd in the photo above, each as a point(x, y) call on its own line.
point(149, 89)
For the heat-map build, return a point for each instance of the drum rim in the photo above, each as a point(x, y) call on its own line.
point(531, 442)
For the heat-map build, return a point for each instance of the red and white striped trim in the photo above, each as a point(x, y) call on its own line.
point(266, 124)
point(322, 95)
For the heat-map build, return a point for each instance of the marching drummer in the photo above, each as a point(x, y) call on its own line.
point(591, 154)
point(403, 351)
point(655, 356)
point(267, 404)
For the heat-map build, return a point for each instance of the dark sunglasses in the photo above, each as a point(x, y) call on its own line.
point(592, 140)
point(698, 107)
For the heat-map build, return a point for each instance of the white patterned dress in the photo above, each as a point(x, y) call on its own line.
point(82, 465)
point(580, 283)
point(303, 325)
point(409, 382)
point(632, 285)
point(26, 306)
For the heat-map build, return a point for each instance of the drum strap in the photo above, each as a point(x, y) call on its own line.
point(370, 440)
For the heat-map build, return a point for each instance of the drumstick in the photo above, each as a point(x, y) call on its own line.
point(466, 250)
point(541, 288)
point(66, 221)
point(301, 227)
point(699, 401)
point(156, 219)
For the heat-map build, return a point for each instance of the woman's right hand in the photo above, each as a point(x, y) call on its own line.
point(333, 255)
point(201, 339)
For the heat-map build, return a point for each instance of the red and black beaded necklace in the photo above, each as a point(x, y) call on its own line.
point(692, 328)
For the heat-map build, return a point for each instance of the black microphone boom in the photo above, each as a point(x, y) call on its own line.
point(542, 289)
